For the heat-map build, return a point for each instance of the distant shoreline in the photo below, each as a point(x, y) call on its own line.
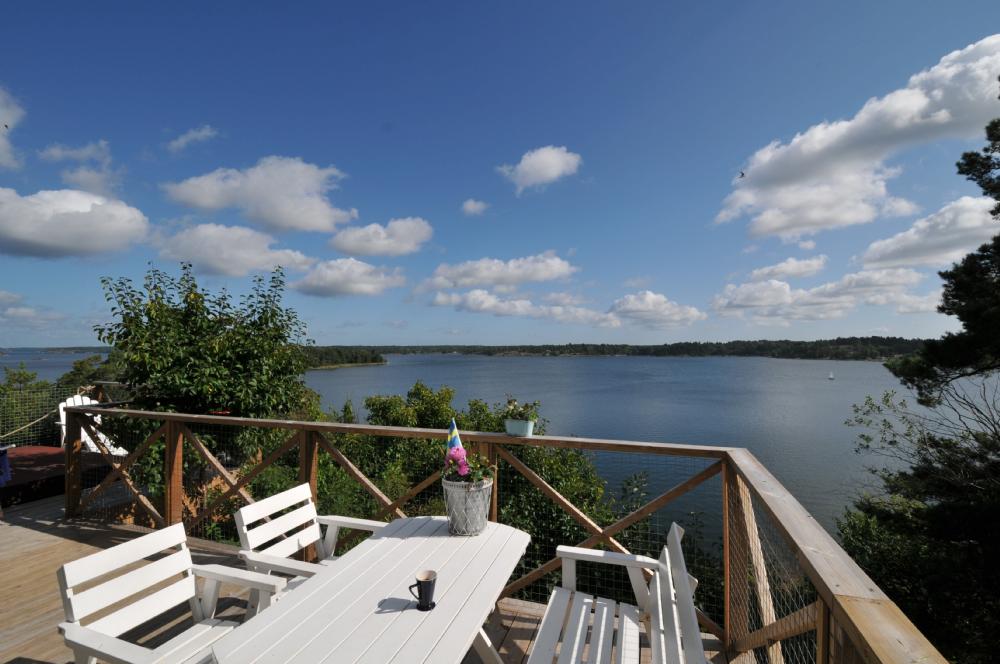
point(344, 365)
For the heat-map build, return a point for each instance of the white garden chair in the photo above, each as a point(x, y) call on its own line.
point(88, 442)
point(172, 576)
point(281, 525)
point(667, 602)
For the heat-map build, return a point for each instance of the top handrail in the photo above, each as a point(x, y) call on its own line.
point(668, 449)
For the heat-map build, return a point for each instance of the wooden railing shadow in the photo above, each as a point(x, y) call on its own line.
point(848, 618)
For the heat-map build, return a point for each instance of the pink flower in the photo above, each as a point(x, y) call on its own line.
point(463, 468)
point(457, 454)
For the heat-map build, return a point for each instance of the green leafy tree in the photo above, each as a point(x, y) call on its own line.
point(185, 349)
point(929, 537)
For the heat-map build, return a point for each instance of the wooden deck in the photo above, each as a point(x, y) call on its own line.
point(35, 541)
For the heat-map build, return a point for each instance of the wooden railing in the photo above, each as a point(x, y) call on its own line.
point(851, 619)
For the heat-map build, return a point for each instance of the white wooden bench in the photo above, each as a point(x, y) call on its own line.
point(281, 525)
point(88, 442)
point(116, 605)
point(665, 605)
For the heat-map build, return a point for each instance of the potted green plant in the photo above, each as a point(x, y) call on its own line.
point(468, 486)
point(520, 418)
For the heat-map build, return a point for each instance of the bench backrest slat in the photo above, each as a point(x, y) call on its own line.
point(135, 583)
point(288, 526)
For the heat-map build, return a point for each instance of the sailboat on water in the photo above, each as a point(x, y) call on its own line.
point(830, 377)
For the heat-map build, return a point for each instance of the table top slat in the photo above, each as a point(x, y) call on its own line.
point(262, 631)
point(358, 609)
point(381, 635)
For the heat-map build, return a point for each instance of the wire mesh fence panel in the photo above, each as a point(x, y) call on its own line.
point(30, 415)
point(609, 487)
point(767, 585)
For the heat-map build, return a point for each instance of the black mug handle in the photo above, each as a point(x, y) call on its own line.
point(415, 596)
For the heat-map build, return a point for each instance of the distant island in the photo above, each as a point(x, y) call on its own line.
point(334, 357)
point(841, 348)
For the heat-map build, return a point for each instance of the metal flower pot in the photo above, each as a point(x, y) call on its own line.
point(468, 505)
point(522, 428)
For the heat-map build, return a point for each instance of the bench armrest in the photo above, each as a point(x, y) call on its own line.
point(241, 577)
point(104, 647)
point(609, 557)
point(263, 561)
point(352, 523)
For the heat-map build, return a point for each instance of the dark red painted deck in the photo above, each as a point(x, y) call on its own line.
point(38, 471)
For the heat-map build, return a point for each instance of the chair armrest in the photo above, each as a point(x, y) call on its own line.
point(609, 557)
point(279, 564)
point(240, 577)
point(104, 647)
point(352, 523)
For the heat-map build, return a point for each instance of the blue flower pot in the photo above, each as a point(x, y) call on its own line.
point(521, 428)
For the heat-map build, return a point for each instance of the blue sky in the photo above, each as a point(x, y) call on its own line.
point(498, 173)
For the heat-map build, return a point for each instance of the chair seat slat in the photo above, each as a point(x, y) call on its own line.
point(575, 634)
point(601, 635)
point(627, 638)
point(543, 650)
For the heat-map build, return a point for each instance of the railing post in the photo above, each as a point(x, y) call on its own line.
point(726, 580)
point(491, 454)
point(309, 461)
point(73, 446)
point(823, 634)
point(173, 476)
point(308, 472)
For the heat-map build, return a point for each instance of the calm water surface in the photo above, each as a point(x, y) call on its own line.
point(49, 365)
point(786, 412)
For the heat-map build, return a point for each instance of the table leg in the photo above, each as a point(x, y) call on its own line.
point(484, 648)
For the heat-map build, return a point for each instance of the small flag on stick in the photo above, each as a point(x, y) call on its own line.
point(453, 439)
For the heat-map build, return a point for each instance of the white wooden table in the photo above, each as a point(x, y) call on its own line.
point(358, 609)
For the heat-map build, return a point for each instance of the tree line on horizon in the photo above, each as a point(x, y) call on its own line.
point(840, 348)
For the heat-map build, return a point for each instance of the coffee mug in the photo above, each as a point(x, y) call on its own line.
point(425, 590)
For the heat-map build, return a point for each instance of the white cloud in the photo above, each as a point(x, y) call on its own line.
point(938, 239)
point(564, 299)
point(98, 151)
point(11, 115)
point(807, 245)
point(97, 178)
point(348, 276)
point(481, 301)
point(14, 314)
point(790, 268)
point(397, 238)
point(196, 135)
point(654, 310)
point(541, 166)
point(494, 272)
point(280, 193)
point(66, 222)
point(230, 250)
point(7, 298)
point(473, 208)
point(834, 173)
point(917, 304)
point(776, 301)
